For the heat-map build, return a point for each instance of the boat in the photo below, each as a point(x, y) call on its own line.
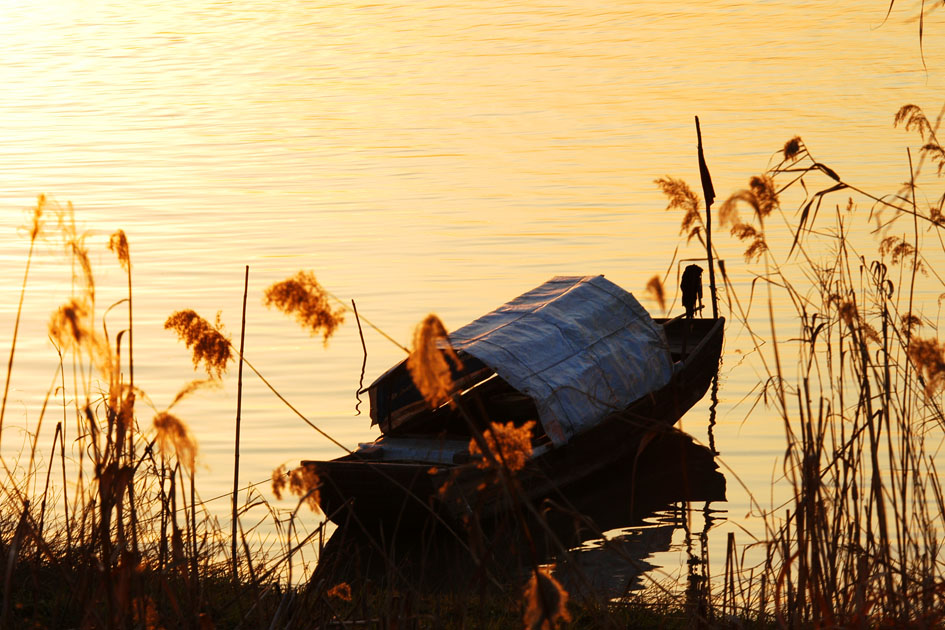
point(578, 355)
point(635, 499)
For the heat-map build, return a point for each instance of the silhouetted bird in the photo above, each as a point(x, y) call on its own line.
point(691, 286)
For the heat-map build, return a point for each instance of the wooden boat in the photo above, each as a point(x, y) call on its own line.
point(630, 495)
point(578, 355)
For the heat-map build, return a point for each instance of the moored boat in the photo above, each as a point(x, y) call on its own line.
point(579, 356)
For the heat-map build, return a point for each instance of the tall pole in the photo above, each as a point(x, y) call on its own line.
point(709, 193)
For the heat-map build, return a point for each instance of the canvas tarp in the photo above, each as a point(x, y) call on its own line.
point(580, 347)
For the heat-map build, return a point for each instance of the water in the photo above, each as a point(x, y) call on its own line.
point(419, 158)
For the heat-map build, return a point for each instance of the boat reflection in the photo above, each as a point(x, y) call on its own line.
point(599, 533)
point(635, 514)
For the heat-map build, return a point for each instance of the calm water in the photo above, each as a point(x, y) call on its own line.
point(418, 157)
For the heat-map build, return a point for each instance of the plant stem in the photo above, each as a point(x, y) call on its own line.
point(16, 325)
point(236, 448)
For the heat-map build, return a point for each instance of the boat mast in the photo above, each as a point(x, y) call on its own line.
point(709, 193)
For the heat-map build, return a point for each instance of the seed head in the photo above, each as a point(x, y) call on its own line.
point(69, 325)
point(681, 197)
point(36, 222)
point(928, 355)
point(428, 363)
point(302, 296)
point(654, 288)
point(341, 591)
point(510, 445)
point(546, 601)
point(206, 340)
point(302, 482)
point(173, 437)
point(792, 148)
point(118, 244)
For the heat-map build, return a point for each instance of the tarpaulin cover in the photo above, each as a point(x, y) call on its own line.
point(580, 347)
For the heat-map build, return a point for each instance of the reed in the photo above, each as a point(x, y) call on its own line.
point(859, 541)
point(130, 544)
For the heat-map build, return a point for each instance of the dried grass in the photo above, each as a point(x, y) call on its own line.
point(430, 359)
point(207, 341)
point(656, 291)
point(511, 446)
point(682, 197)
point(302, 482)
point(546, 601)
point(341, 591)
point(303, 297)
point(928, 356)
point(118, 243)
point(762, 198)
point(175, 439)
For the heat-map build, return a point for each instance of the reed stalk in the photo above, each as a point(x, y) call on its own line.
point(34, 233)
point(236, 448)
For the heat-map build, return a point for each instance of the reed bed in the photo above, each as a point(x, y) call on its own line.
point(119, 537)
point(858, 388)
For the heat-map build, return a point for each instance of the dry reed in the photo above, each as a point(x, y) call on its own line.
point(682, 197)
point(303, 297)
point(301, 481)
point(656, 291)
point(546, 601)
point(859, 544)
point(430, 359)
point(207, 341)
point(175, 439)
point(511, 446)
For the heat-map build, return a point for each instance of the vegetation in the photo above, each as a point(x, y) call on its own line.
point(119, 539)
point(859, 542)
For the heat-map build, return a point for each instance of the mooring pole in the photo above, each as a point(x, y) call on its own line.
point(709, 193)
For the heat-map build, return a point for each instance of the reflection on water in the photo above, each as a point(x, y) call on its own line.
point(638, 510)
point(599, 532)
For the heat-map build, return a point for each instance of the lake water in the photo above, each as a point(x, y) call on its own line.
point(418, 157)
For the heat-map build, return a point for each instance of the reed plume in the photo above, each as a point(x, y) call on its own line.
point(928, 355)
point(118, 244)
point(302, 481)
point(510, 445)
point(792, 149)
point(69, 324)
point(546, 601)
point(429, 361)
point(341, 591)
point(193, 386)
point(74, 243)
point(762, 197)
point(37, 221)
point(899, 249)
point(911, 117)
point(681, 197)
point(656, 291)
point(206, 340)
point(174, 438)
point(303, 297)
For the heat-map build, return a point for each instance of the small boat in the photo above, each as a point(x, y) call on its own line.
point(578, 355)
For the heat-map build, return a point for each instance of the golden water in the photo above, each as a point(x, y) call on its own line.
point(418, 157)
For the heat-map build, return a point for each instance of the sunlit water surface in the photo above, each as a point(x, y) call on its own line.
point(418, 157)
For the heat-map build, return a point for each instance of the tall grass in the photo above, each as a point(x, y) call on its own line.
point(119, 538)
point(858, 389)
